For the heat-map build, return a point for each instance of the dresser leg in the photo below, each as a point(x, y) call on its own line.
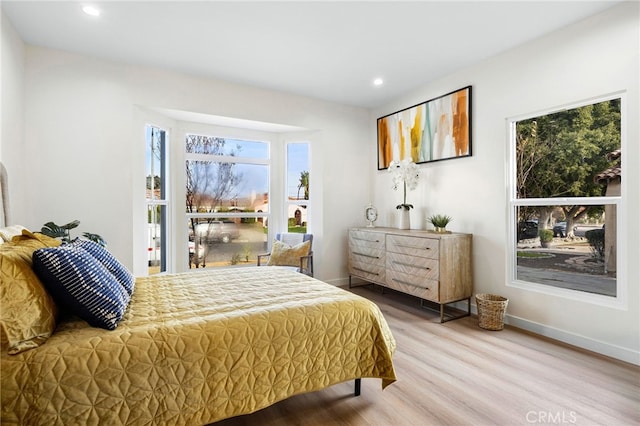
point(454, 317)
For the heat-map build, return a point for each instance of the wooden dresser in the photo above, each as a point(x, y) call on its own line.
point(432, 266)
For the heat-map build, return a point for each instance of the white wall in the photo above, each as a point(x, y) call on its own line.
point(595, 57)
point(11, 112)
point(85, 156)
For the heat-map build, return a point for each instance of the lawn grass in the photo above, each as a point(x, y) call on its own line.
point(533, 254)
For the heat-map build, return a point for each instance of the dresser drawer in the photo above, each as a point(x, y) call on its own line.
point(374, 240)
point(421, 247)
point(421, 267)
point(412, 284)
point(373, 272)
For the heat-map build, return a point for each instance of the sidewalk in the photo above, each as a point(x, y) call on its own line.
point(599, 284)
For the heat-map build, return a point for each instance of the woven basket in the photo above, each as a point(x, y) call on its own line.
point(491, 309)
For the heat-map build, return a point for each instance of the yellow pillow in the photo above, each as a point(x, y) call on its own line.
point(283, 254)
point(28, 315)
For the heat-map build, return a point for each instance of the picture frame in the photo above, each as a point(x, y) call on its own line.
point(435, 130)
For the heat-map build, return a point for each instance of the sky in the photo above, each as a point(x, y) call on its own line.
point(255, 176)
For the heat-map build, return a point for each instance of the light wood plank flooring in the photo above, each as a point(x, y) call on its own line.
point(458, 374)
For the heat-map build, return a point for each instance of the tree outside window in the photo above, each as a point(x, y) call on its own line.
point(559, 161)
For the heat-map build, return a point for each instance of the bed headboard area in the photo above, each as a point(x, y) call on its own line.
point(5, 218)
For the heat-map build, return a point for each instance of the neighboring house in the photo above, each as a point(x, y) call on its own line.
point(612, 178)
point(293, 211)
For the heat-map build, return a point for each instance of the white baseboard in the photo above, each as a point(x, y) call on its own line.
point(604, 348)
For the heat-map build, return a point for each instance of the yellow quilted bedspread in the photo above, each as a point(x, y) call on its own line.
point(198, 347)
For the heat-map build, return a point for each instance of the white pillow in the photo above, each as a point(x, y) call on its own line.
point(8, 232)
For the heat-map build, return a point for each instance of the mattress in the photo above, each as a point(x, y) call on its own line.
point(198, 347)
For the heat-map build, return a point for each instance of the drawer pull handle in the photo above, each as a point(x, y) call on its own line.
point(412, 265)
point(408, 283)
point(366, 255)
point(413, 247)
point(364, 270)
point(364, 239)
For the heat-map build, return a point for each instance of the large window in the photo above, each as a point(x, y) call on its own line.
point(565, 193)
point(227, 200)
point(297, 200)
point(156, 198)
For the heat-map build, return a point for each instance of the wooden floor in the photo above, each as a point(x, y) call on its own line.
point(458, 374)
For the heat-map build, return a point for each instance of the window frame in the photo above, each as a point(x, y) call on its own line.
point(230, 159)
point(620, 300)
point(229, 134)
point(287, 202)
point(164, 201)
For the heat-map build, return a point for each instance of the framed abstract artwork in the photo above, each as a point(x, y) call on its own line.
point(438, 129)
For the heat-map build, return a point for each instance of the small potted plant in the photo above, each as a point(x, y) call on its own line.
point(546, 237)
point(440, 222)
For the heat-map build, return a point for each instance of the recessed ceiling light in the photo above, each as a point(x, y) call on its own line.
point(90, 10)
point(378, 82)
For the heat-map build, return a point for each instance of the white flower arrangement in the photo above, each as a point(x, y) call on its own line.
point(406, 174)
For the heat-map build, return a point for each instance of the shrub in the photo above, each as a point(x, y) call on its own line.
point(235, 259)
point(546, 235)
point(596, 241)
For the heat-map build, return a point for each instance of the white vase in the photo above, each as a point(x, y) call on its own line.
point(404, 219)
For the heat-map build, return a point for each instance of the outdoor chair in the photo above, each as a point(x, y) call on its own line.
point(290, 249)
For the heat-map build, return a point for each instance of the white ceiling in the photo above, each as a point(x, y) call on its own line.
point(326, 50)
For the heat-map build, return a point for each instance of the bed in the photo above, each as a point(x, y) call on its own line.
point(198, 347)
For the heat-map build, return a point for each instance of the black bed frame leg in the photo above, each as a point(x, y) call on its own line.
point(356, 391)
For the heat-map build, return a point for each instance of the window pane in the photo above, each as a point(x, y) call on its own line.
point(578, 252)
point(226, 187)
point(197, 144)
point(560, 154)
point(155, 166)
point(298, 171)
point(217, 242)
point(156, 230)
point(297, 218)
point(155, 163)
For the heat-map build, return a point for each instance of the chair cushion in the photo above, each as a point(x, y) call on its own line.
point(283, 254)
point(28, 314)
point(119, 271)
point(82, 284)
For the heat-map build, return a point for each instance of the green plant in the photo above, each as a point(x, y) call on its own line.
point(52, 230)
point(596, 241)
point(546, 235)
point(532, 255)
point(440, 220)
point(235, 259)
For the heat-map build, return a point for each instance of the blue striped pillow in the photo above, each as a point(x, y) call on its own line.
point(122, 274)
point(82, 284)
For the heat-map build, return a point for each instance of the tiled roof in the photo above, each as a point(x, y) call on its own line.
point(613, 172)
